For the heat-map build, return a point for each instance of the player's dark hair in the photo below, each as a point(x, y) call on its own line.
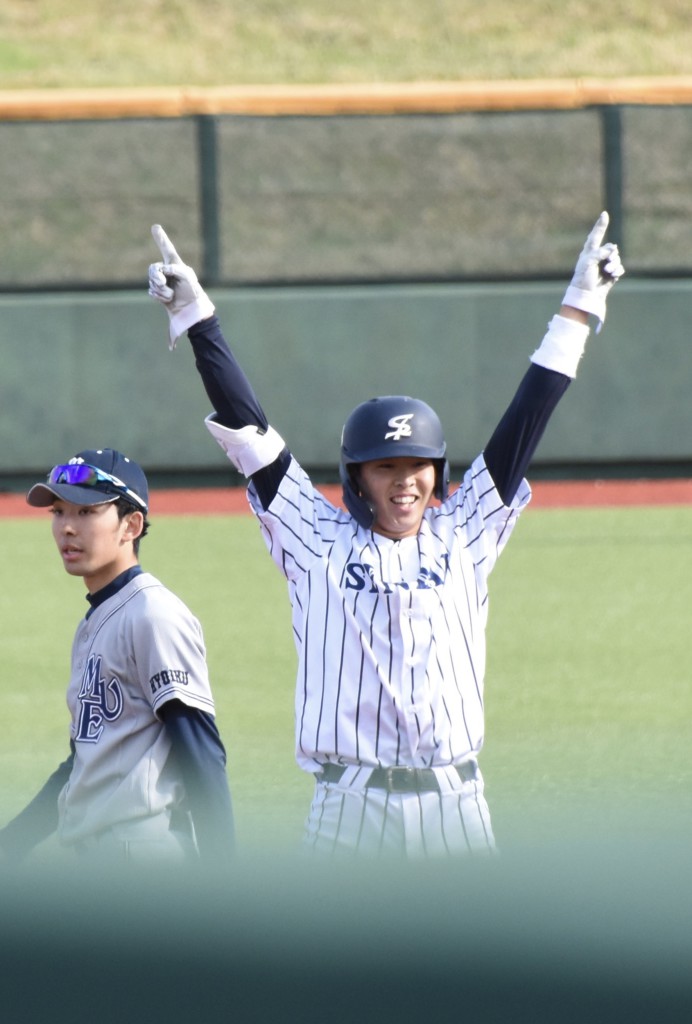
point(124, 507)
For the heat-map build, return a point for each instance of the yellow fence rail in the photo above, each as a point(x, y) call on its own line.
point(329, 100)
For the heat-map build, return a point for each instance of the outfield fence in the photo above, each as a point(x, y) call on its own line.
point(453, 182)
point(356, 240)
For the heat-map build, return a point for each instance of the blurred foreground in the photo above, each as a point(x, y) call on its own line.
point(561, 934)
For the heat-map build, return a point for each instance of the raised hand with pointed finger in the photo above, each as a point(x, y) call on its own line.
point(597, 270)
point(175, 285)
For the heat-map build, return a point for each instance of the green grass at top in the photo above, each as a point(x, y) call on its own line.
point(588, 693)
point(71, 43)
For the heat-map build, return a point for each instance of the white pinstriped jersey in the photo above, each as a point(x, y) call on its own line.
point(390, 634)
point(137, 650)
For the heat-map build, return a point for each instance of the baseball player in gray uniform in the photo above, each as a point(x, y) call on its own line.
point(389, 594)
point(145, 779)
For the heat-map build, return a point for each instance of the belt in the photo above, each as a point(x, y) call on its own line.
point(401, 779)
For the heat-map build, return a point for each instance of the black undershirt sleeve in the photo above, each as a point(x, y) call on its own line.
point(227, 387)
point(513, 443)
point(201, 758)
point(39, 819)
point(233, 398)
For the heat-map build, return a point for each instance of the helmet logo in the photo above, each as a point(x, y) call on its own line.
point(401, 425)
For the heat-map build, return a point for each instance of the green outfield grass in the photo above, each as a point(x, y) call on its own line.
point(588, 683)
point(588, 691)
point(68, 43)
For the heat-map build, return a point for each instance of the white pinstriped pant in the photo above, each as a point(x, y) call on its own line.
point(347, 819)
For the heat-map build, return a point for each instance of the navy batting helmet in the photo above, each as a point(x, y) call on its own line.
point(387, 427)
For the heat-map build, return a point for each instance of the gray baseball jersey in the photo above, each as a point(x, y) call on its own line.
point(137, 650)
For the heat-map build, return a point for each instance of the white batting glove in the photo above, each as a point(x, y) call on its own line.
point(597, 270)
point(176, 287)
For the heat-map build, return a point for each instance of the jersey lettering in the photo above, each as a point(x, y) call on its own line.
point(360, 574)
point(100, 702)
point(168, 676)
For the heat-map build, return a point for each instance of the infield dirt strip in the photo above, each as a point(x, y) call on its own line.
point(546, 494)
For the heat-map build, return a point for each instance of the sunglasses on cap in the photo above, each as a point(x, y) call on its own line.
point(80, 474)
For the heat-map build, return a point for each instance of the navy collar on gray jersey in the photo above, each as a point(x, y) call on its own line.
point(112, 588)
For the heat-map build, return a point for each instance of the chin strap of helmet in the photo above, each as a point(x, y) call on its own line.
point(359, 508)
point(442, 474)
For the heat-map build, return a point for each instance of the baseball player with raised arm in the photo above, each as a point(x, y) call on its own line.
point(389, 595)
point(145, 780)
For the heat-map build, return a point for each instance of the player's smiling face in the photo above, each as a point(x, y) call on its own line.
point(93, 541)
point(399, 491)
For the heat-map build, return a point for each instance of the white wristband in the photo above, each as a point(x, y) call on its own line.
point(563, 346)
point(201, 309)
point(587, 301)
point(247, 448)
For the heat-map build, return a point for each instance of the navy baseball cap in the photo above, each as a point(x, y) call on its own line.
point(94, 477)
